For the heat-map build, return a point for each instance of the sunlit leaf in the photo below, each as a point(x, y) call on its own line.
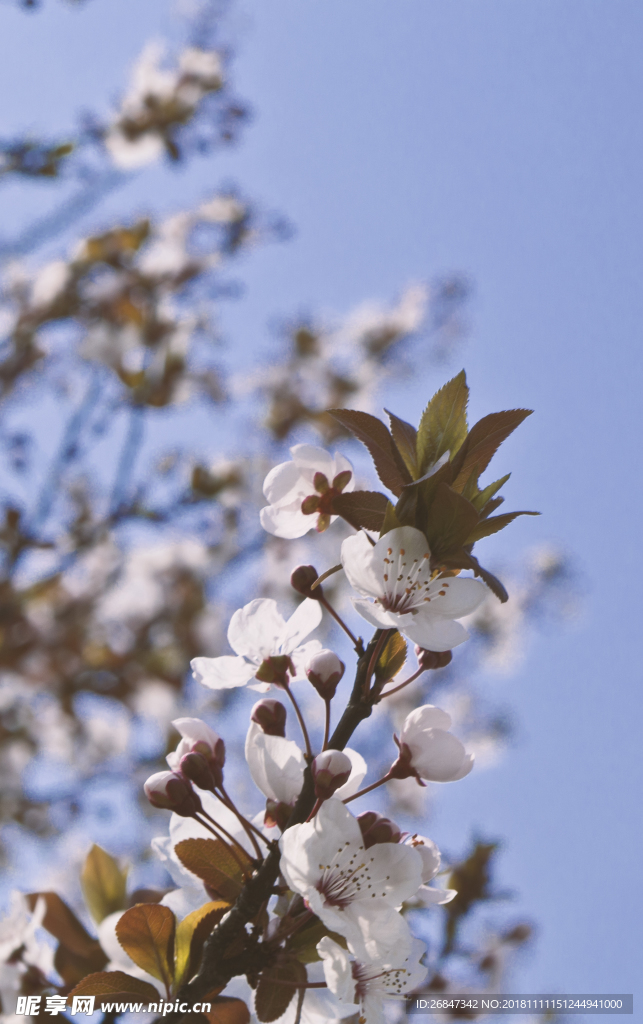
point(146, 933)
point(483, 441)
point(451, 520)
point(276, 988)
point(405, 440)
point(103, 883)
point(391, 659)
point(362, 509)
point(191, 934)
point(493, 525)
point(375, 435)
point(212, 862)
point(443, 426)
point(112, 986)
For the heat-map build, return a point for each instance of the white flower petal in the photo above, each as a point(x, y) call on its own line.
point(425, 717)
point(432, 632)
point(461, 596)
point(276, 764)
point(337, 970)
point(432, 897)
point(440, 758)
point(310, 460)
point(222, 673)
point(303, 620)
point(375, 614)
point(375, 930)
point(467, 766)
point(429, 853)
point(280, 483)
point(357, 559)
point(287, 523)
point(255, 629)
point(357, 775)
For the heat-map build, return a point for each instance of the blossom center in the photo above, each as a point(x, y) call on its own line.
point(342, 883)
point(407, 583)
point(321, 502)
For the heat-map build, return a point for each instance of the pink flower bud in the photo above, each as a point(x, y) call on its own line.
point(195, 767)
point(302, 579)
point(173, 793)
point(377, 829)
point(331, 769)
point(324, 670)
point(198, 738)
point(271, 716)
point(432, 659)
point(277, 813)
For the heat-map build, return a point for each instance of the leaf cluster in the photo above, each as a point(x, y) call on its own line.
point(434, 473)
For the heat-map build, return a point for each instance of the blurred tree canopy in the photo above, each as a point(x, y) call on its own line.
point(124, 549)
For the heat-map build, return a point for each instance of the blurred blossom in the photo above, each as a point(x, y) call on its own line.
point(159, 101)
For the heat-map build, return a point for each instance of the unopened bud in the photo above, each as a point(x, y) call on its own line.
point(402, 768)
point(271, 716)
point(275, 670)
point(324, 670)
point(331, 769)
point(302, 579)
point(195, 767)
point(376, 828)
point(432, 659)
point(173, 793)
point(277, 813)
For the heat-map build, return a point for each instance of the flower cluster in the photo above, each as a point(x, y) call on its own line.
point(301, 896)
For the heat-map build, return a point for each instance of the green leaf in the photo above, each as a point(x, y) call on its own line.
point(443, 426)
point(114, 986)
point(146, 933)
point(488, 492)
point(103, 883)
point(465, 560)
point(362, 509)
point(191, 934)
point(483, 441)
point(276, 988)
point(451, 520)
point(391, 522)
point(488, 526)
point(391, 659)
point(405, 440)
point(375, 435)
point(212, 862)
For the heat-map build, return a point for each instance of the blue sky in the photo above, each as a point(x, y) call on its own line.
point(503, 140)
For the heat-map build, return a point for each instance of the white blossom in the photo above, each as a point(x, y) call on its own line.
point(256, 633)
point(368, 984)
point(428, 895)
point(354, 891)
point(396, 573)
point(429, 749)
point(277, 766)
point(300, 492)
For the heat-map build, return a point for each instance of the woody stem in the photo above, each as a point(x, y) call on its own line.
point(368, 789)
point(309, 751)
